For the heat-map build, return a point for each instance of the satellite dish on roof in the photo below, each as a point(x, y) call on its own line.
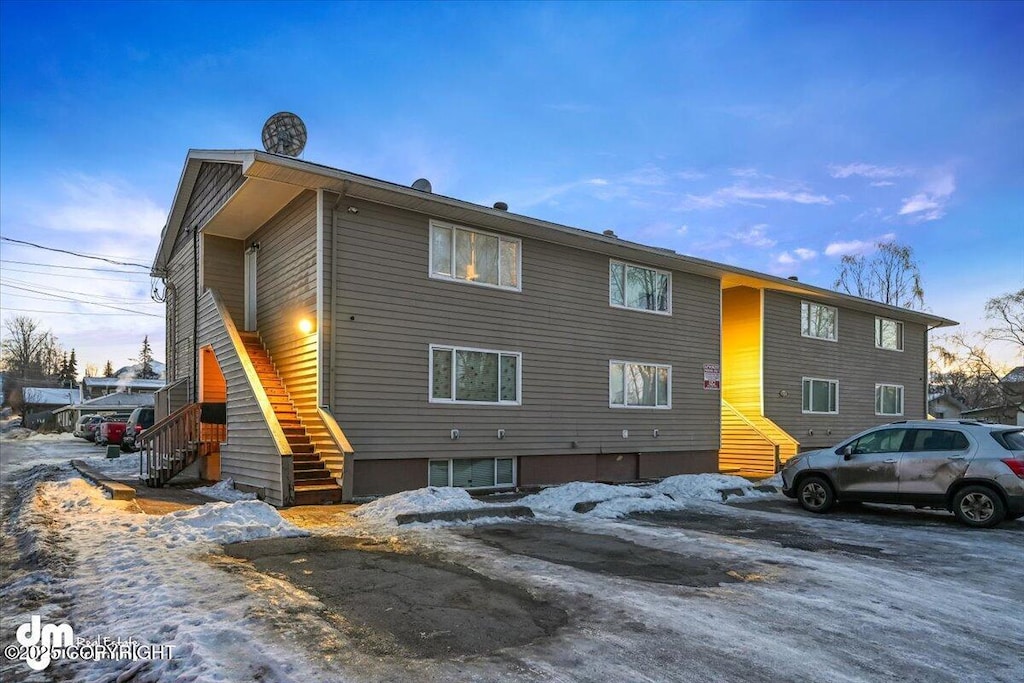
point(284, 133)
point(423, 185)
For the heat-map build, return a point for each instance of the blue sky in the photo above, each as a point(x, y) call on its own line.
point(772, 136)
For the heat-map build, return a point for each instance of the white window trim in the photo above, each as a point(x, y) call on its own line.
point(627, 264)
point(818, 379)
point(811, 336)
point(495, 458)
point(452, 400)
point(902, 327)
point(639, 362)
point(878, 387)
point(451, 278)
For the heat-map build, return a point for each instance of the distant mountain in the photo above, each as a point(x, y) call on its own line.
point(133, 370)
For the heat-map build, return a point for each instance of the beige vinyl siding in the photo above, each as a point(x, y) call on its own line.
point(214, 184)
point(388, 311)
point(222, 271)
point(853, 360)
point(286, 293)
point(249, 455)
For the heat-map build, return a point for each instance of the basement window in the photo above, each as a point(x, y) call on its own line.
point(472, 473)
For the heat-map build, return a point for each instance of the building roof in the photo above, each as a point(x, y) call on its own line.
point(272, 180)
point(1015, 375)
point(123, 383)
point(47, 396)
point(112, 402)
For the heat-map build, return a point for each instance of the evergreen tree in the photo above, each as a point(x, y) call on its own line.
point(108, 369)
point(145, 360)
point(72, 368)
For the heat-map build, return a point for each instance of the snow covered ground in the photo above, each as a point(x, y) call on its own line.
point(875, 596)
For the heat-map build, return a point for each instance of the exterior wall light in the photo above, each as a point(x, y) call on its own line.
point(305, 326)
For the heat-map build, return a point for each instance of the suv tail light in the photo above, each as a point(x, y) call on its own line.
point(138, 429)
point(1016, 465)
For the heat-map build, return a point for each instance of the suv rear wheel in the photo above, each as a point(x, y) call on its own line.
point(815, 494)
point(978, 506)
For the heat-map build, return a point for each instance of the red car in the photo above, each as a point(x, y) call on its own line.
point(110, 431)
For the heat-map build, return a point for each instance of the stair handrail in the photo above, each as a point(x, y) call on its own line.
point(147, 439)
point(752, 425)
point(334, 429)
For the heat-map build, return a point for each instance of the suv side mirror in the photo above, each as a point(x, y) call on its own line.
point(847, 452)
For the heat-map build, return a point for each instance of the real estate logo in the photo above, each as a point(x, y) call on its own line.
point(40, 644)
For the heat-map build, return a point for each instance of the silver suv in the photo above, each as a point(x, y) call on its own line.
point(974, 469)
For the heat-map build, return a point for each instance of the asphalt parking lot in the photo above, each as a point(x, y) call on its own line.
point(754, 591)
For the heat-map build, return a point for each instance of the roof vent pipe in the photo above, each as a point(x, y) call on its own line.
point(423, 185)
point(794, 278)
point(609, 233)
point(501, 206)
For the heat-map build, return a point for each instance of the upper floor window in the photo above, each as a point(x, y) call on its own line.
point(639, 385)
point(480, 258)
point(888, 399)
point(819, 321)
point(888, 334)
point(639, 288)
point(820, 395)
point(461, 375)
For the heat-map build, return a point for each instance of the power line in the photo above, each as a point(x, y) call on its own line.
point(75, 253)
point(57, 265)
point(85, 278)
point(37, 310)
point(79, 301)
point(110, 299)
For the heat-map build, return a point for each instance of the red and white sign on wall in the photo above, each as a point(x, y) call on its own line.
point(712, 376)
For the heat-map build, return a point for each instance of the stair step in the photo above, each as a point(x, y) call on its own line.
point(303, 448)
point(307, 465)
point(304, 476)
point(305, 457)
point(317, 494)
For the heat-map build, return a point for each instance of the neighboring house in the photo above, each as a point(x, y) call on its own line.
point(108, 404)
point(944, 406)
point(1011, 411)
point(41, 402)
point(363, 338)
point(93, 387)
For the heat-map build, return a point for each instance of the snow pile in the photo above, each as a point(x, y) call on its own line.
point(224, 490)
point(703, 486)
point(124, 466)
point(246, 520)
point(56, 436)
point(431, 499)
point(563, 498)
point(17, 433)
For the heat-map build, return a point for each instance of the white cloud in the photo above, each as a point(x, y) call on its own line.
point(868, 171)
point(743, 194)
point(682, 229)
point(89, 204)
point(882, 183)
point(800, 254)
point(755, 236)
point(856, 247)
point(929, 203)
point(746, 173)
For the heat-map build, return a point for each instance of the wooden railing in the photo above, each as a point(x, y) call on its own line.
point(174, 443)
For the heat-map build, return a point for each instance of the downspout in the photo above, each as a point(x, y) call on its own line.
point(334, 295)
point(195, 315)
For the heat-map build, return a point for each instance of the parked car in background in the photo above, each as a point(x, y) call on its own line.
point(79, 430)
point(974, 470)
point(140, 420)
point(89, 427)
point(110, 430)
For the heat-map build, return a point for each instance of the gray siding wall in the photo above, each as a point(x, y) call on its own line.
point(214, 184)
point(286, 293)
point(387, 312)
point(223, 270)
point(250, 455)
point(853, 360)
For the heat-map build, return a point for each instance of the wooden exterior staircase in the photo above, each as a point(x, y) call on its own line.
point(314, 482)
point(753, 445)
point(178, 440)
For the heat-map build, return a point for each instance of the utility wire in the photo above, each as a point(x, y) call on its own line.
point(79, 301)
point(75, 253)
point(58, 265)
point(84, 278)
point(39, 310)
point(11, 282)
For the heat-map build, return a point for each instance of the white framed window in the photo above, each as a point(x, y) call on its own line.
point(474, 256)
point(888, 334)
point(639, 288)
point(477, 376)
point(819, 321)
point(471, 473)
point(639, 385)
point(820, 395)
point(888, 399)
